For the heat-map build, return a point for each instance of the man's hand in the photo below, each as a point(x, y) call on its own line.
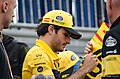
point(88, 48)
point(90, 62)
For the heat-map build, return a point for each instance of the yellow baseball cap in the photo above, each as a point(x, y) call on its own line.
point(67, 60)
point(63, 19)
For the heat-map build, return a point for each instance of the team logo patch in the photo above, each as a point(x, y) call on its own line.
point(59, 18)
point(110, 41)
point(40, 69)
point(73, 57)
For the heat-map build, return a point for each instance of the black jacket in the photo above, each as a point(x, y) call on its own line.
point(16, 53)
point(111, 52)
point(4, 68)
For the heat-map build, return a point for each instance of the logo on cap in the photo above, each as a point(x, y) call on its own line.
point(73, 57)
point(59, 18)
point(46, 19)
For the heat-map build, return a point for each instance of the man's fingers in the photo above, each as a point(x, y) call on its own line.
point(88, 48)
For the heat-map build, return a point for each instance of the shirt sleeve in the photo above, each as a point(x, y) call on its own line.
point(36, 62)
point(111, 45)
point(40, 64)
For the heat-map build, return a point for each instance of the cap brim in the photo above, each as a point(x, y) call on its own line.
point(73, 33)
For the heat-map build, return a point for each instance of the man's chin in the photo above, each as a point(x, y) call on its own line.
point(61, 50)
point(6, 27)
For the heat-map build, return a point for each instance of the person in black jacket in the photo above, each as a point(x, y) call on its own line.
point(6, 16)
point(16, 52)
point(111, 43)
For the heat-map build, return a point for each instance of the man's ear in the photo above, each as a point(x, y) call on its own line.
point(110, 4)
point(51, 29)
point(5, 6)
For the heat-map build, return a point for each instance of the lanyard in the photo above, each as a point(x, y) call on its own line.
point(7, 59)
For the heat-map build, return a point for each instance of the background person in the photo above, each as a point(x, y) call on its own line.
point(6, 16)
point(16, 52)
point(111, 42)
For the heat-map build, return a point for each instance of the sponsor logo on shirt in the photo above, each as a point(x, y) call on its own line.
point(40, 69)
point(112, 52)
point(110, 41)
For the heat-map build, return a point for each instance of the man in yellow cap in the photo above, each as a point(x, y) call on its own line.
point(54, 33)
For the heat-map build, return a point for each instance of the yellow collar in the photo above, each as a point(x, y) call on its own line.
point(48, 50)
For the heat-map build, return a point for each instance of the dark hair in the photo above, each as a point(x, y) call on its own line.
point(42, 29)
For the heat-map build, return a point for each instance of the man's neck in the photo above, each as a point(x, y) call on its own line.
point(1, 22)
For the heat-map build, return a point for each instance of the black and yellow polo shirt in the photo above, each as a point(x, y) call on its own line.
point(111, 52)
point(40, 59)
